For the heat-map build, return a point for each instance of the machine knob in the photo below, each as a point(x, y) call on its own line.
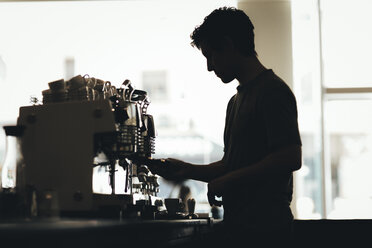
point(191, 207)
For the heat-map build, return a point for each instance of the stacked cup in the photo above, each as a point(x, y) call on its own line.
point(57, 92)
point(98, 88)
point(78, 89)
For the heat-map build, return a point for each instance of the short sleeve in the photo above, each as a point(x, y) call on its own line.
point(280, 118)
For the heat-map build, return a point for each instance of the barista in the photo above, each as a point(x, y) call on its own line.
point(261, 138)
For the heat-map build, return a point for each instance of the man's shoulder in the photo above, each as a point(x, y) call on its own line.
point(270, 80)
point(231, 103)
point(272, 84)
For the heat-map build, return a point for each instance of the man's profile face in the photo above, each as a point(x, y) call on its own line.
point(220, 61)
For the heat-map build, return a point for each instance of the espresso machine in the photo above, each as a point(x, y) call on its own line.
point(83, 124)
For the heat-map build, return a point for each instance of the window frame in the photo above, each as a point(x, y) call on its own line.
point(329, 94)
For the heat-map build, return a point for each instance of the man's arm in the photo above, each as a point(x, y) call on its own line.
point(205, 173)
point(177, 170)
point(284, 160)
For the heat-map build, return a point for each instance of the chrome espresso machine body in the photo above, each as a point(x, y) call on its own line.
point(85, 124)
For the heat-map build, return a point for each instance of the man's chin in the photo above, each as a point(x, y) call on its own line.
point(226, 80)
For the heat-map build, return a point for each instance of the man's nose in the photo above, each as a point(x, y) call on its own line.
point(209, 66)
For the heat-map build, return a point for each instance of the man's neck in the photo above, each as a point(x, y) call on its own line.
point(250, 68)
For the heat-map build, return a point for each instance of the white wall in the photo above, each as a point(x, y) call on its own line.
point(273, 34)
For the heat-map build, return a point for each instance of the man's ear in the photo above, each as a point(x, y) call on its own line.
point(227, 43)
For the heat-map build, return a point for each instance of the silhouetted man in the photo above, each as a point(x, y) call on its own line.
point(262, 145)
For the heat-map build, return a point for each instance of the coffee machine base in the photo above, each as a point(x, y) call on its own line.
point(118, 207)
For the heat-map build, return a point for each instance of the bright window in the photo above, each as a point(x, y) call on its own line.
point(331, 69)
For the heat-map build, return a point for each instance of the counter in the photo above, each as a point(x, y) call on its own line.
point(93, 233)
point(101, 233)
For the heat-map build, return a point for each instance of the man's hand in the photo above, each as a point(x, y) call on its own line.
point(175, 170)
point(215, 189)
point(170, 169)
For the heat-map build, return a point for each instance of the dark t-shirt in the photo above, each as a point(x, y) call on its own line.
point(261, 118)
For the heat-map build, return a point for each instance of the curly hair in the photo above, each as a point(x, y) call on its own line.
point(226, 22)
